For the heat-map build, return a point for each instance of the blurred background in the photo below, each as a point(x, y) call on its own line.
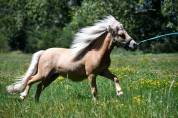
point(31, 25)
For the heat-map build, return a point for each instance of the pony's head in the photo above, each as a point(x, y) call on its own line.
point(120, 37)
point(109, 24)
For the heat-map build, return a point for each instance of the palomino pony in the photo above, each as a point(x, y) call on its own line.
point(88, 56)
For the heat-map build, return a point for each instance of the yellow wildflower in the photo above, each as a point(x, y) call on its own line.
point(60, 78)
point(137, 100)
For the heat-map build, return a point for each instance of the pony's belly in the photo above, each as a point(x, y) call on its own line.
point(74, 76)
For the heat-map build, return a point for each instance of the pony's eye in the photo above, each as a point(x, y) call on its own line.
point(122, 36)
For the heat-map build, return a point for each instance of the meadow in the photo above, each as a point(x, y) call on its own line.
point(149, 82)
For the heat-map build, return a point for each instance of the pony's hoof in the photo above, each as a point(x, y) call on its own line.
point(22, 97)
point(94, 99)
point(120, 93)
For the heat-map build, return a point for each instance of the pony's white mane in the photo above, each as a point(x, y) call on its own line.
point(90, 33)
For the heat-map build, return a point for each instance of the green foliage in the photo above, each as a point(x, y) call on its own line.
point(3, 44)
point(47, 12)
point(89, 12)
point(30, 25)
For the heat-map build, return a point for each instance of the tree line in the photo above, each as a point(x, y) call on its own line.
point(31, 25)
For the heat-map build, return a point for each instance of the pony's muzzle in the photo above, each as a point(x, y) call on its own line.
point(133, 45)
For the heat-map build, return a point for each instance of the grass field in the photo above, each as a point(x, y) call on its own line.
point(149, 82)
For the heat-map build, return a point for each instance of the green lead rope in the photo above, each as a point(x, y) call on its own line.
point(157, 37)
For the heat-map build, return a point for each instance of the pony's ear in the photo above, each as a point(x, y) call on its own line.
point(109, 29)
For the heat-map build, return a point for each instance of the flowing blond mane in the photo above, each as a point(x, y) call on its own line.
point(90, 33)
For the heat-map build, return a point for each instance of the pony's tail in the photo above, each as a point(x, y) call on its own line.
point(20, 83)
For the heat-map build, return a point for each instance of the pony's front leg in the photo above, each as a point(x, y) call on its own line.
point(92, 79)
point(112, 77)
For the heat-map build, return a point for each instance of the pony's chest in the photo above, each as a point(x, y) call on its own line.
point(104, 63)
point(97, 64)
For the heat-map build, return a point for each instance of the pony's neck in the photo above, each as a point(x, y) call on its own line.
point(107, 46)
point(103, 45)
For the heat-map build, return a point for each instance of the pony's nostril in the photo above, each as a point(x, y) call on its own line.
point(135, 45)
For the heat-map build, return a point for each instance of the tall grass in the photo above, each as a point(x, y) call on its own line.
point(149, 82)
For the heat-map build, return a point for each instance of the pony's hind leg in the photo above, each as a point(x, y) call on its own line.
point(33, 79)
point(42, 85)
